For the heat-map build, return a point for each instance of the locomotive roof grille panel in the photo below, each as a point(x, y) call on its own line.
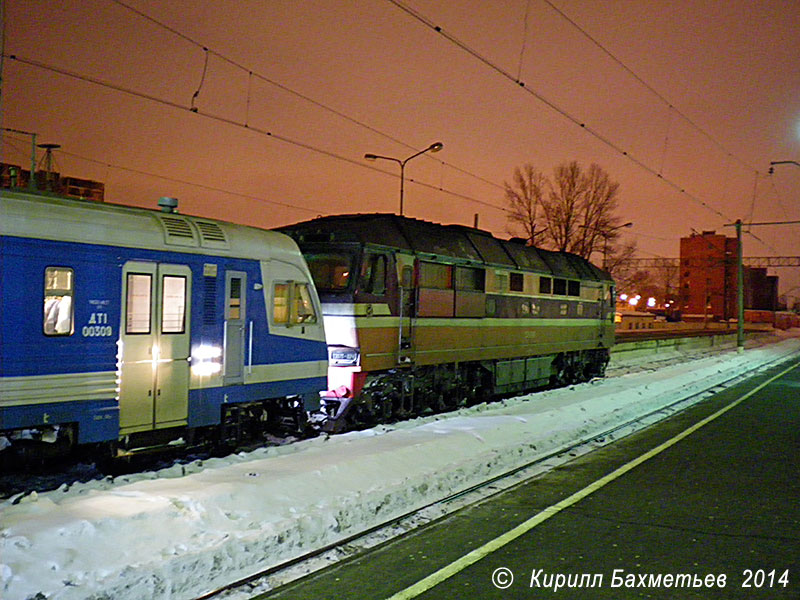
point(178, 231)
point(457, 243)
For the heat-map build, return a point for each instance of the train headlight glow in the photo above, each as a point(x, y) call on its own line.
point(206, 360)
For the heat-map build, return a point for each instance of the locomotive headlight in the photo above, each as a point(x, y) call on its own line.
point(206, 360)
point(341, 356)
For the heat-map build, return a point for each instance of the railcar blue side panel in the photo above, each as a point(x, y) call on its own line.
point(25, 348)
point(98, 421)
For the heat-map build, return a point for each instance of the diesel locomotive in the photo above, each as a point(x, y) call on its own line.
point(129, 327)
point(422, 317)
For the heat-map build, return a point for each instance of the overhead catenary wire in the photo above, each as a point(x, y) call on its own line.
point(427, 22)
point(234, 123)
point(251, 73)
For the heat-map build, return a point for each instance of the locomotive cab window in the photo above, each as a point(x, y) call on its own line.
point(573, 288)
point(58, 305)
point(330, 272)
point(516, 282)
point(545, 285)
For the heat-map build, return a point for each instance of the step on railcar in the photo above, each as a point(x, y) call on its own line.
point(422, 317)
point(134, 326)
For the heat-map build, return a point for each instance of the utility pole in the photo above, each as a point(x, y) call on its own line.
point(740, 272)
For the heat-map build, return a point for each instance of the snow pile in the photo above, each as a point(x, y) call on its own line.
point(187, 530)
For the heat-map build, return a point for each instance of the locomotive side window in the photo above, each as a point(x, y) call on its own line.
point(373, 274)
point(468, 278)
point(545, 285)
point(433, 275)
point(574, 288)
point(58, 305)
point(560, 286)
point(137, 319)
point(516, 282)
point(173, 314)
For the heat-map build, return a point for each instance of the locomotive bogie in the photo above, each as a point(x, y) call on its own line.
point(152, 322)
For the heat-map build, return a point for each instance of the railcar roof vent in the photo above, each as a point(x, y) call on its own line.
point(211, 234)
point(177, 230)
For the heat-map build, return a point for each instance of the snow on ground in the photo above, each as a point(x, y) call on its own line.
point(190, 529)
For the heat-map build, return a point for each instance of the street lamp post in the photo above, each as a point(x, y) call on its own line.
point(435, 147)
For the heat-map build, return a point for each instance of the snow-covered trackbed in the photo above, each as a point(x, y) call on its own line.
point(185, 531)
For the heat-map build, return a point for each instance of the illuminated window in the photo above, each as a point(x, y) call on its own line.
point(303, 306)
point(292, 304)
point(137, 319)
point(173, 303)
point(58, 305)
point(280, 307)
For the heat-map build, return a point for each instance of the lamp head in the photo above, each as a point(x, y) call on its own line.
point(370, 156)
point(435, 147)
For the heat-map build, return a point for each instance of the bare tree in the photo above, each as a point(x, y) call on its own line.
point(575, 212)
point(525, 199)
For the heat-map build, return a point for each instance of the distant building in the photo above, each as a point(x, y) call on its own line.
point(13, 176)
point(708, 279)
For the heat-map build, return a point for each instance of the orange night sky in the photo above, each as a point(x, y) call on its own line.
point(685, 103)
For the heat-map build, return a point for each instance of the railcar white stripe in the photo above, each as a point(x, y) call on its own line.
point(68, 387)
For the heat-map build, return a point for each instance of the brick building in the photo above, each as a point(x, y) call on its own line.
point(708, 279)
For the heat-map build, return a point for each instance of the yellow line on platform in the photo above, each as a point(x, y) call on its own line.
point(481, 552)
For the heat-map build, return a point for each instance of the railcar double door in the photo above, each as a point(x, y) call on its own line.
point(154, 346)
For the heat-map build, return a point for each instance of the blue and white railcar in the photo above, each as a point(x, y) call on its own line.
point(119, 322)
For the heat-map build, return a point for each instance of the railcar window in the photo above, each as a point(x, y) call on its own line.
point(292, 304)
point(516, 282)
point(433, 275)
point(574, 288)
point(560, 286)
point(139, 301)
point(468, 278)
point(545, 285)
point(303, 307)
point(280, 307)
point(173, 303)
point(330, 272)
point(373, 274)
point(58, 305)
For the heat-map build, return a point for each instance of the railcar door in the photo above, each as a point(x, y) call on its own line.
point(235, 319)
point(154, 346)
